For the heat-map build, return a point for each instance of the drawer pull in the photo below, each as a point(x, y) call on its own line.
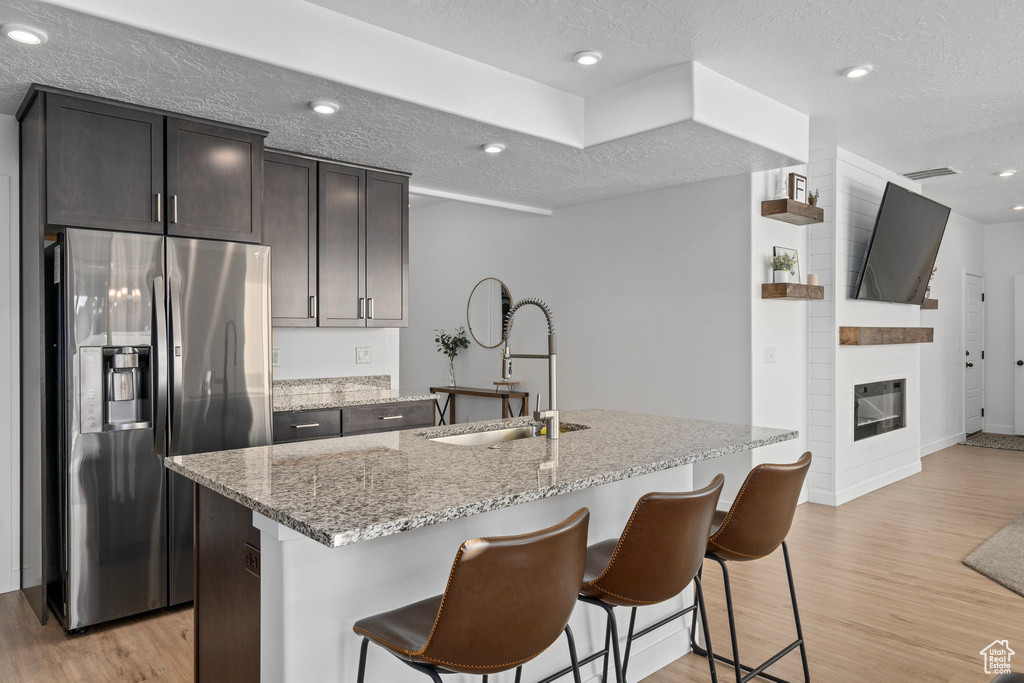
point(390, 417)
point(311, 424)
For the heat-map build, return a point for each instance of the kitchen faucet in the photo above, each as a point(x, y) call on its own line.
point(549, 416)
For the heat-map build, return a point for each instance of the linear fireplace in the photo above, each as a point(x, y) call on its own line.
point(878, 407)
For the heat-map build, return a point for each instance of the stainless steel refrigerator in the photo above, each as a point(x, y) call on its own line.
point(162, 347)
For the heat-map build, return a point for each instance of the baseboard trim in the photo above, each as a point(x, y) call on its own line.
point(999, 429)
point(941, 444)
point(821, 496)
point(849, 493)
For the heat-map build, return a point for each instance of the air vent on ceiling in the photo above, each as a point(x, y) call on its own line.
point(931, 173)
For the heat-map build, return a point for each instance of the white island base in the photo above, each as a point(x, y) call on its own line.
point(312, 594)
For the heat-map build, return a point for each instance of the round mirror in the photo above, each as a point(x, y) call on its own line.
point(489, 302)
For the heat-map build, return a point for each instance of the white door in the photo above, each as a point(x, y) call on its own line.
point(974, 331)
point(1018, 354)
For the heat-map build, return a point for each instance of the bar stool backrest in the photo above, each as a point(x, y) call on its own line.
point(760, 517)
point(509, 598)
point(661, 548)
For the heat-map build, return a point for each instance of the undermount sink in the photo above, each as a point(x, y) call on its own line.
point(492, 437)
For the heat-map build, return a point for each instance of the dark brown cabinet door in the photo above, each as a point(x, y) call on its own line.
point(104, 166)
point(387, 250)
point(214, 182)
point(342, 234)
point(289, 228)
point(227, 604)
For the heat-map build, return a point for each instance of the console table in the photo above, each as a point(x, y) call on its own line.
point(503, 394)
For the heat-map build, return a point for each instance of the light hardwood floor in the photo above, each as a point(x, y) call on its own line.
point(883, 595)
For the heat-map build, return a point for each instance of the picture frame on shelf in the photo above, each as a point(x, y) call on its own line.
point(795, 273)
point(798, 188)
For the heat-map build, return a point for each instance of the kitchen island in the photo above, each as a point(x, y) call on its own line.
point(352, 526)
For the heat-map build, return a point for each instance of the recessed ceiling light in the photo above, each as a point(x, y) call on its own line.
point(493, 147)
point(324, 107)
point(1019, 207)
point(1008, 172)
point(587, 57)
point(859, 71)
point(24, 34)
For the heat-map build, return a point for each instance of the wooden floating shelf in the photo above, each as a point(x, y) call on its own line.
point(873, 336)
point(930, 305)
point(790, 211)
point(791, 290)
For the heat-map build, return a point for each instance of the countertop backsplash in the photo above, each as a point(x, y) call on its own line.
point(330, 385)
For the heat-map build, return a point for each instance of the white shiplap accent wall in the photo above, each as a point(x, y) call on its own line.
point(844, 470)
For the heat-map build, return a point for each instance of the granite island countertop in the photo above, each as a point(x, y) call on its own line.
point(358, 488)
point(340, 392)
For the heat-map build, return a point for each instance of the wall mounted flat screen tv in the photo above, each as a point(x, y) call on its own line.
point(908, 231)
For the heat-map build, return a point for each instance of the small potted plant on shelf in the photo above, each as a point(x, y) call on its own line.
point(928, 289)
point(783, 266)
point(812, 198)
point(449, 345)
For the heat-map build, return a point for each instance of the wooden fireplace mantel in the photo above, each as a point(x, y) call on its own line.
point(872, 336)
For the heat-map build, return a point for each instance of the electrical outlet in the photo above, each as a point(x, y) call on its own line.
point(769, 354)
point(362, 354)
point(277, 358)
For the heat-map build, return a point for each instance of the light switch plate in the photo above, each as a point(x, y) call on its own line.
point(362, 354)
point(769, 354)
point(277, 357)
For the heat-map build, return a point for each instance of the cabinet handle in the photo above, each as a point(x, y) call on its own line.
point(312, 307)
point(362, 308)
point(390, 417)
point(370, 303)
point(174, 208)
point(159, 208)
point(311, 424)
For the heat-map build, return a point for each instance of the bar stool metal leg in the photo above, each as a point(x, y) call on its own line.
point(572, 656)
point(796, 614)
point(754, 672)
point(362, 660)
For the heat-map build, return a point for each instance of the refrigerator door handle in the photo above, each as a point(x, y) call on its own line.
point(176, 359)
point(160, 367)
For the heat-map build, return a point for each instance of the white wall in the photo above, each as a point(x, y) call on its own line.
point(942, 362)
point(852, 190)
point(1004, 245)
point(332, 353)
point(656, 297)
point(9, 361)
point(779, 389)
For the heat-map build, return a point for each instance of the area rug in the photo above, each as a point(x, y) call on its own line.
point(1006, 442)
point(1001, 558)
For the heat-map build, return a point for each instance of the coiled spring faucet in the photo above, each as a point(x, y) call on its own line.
point(549, 416)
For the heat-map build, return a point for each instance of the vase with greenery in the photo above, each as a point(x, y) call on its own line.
point(449, 345)
point(783, 265)
point(812, 198)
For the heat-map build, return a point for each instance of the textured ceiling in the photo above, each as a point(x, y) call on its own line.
point(948, 86)
point(98, 57)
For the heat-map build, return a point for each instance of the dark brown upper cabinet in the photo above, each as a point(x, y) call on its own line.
point(387, 250)
point(104, 166)
point(290, 229)
point(342, 283)
point(359, 247)
point(214, 182)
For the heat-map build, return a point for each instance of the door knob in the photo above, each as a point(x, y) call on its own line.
point(970, 365)
point(1020, 362)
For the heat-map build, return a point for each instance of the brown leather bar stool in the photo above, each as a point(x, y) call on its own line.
point(657, 556)
point(754, 527)
point(508, 599)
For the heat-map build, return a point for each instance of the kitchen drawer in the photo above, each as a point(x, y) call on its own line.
point(387, 417)
point(307, 424)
